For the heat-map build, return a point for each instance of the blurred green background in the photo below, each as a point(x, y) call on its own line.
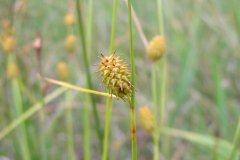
point(203, 80)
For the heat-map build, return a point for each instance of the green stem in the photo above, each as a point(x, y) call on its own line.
point(163, 78)
point(162, 67)
point(106, 132)
point(109, 105)
point(81, 32)
point(86, 128)
point(19, 110)
point(154, 94)
point(235, 141)
point(87, 99)
point(69, 123)
point(132, 106)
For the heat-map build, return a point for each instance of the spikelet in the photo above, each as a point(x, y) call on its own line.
point(12, 70)
point(69, 19)
point(70, 43)
point(156, 48)
point(62, 70)
point(9, 44)
point(146, 118)
point(115, 76)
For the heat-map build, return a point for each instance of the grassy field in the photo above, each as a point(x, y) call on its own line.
point(42, 120)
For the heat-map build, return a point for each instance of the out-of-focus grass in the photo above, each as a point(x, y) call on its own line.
point(192, 40)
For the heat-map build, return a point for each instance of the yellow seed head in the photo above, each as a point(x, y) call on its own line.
point(12, 70)
point(70, 43)
point(69, 19)
point(156, 48)
point(62, 70)
point(9, 44)
point(115, 76)
point(146, 118)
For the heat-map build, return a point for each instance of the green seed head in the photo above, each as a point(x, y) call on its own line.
point(115, 76)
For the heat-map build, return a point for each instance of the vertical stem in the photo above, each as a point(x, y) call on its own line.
point(162, 67)
point(106, 132)
point(18, 107)
point(109, 105)
point(163, 78)
point(235, 141)
point(87, 99)
point(86, 128)
point(154, 94)
point(81, 32)
point(19, 110)
point(69, 123)
point(132, 107)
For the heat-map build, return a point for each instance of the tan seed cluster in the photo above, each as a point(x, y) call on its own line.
point(156, 48)
point(146, 118)
point(62, 70)
point(115, 76)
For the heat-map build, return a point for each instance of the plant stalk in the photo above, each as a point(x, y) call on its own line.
point(132, 106)
point(109, 104)
point(154, 95)
point(81, 32)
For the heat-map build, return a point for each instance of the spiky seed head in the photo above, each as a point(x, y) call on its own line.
point(12, 70)
point(9, 44)
point(69, 19)
point(156, 48)
point(115, 76)
point(62, 70)
point(146, 118)
point(70, 43)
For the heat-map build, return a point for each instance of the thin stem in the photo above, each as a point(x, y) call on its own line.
point(109, 104)
point(162, 67)
point(132, 107)
point(87, 99)
point(81, 32)
point(106, 132)
point(18, 107)
point(235, 141)
point(154, 95)
point(19, 110)
point(86, 128)
point(163, 77)
point(69, 123)
point(160, 17)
